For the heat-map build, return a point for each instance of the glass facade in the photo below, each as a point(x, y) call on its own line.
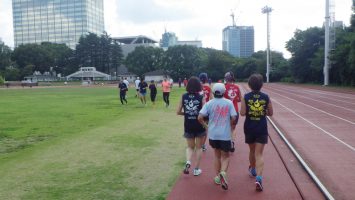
point(238, 40)
point(57, 21)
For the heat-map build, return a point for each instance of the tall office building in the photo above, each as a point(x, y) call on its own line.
point(168, 39)
point(238, 40)
point(56, 21)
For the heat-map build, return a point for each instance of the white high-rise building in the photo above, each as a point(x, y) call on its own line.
point(56, 21)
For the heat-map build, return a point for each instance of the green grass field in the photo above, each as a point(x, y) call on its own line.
point(81, 143)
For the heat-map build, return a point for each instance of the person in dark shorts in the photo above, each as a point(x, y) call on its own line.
point(123, 89)
point(190, 105)
point(153, 91)
point(143, 91)
point(255, 106)
point(221, 115)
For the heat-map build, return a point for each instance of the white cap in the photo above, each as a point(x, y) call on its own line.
point(218, 89)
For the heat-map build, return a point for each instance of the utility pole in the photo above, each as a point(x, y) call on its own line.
point(326, 44)
point(267, 10)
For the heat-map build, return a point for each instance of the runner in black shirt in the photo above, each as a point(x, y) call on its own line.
point(143, 91)
point(153, 91)
point(123, 89)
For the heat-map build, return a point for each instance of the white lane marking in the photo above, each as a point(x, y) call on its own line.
point(351, 110)
point(341, 95)
point(324, 131)
point(353, 123)
point(307, 92)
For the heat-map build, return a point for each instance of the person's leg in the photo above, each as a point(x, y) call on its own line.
point(167, 98)
point(204, 143)
point(189, 151)
point(259, 149)
point(251, 169)
point(164, 97)
point(144, 99)
point(124, 97)
point(198, 150)
point(224, 168)
point(259, 161)
point(121, 98)
point(252, 155)
point(154, 96)
point(217, 160)
point(224, 161)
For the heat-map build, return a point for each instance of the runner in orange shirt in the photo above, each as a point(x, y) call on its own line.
point(166, 85)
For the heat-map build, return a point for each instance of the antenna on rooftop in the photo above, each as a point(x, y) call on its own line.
point(233, 21)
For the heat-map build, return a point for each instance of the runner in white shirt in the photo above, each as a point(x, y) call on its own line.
point(126, 82)
point(136, 82)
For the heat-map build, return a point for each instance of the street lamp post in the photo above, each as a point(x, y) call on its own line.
point(267, 10)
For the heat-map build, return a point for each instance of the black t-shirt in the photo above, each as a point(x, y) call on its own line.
point(143, 87)
point(152, 88)
point(192, 104)
point(123, 87)
point(256, 105)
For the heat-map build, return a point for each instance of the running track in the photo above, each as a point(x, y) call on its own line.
point(319, 122)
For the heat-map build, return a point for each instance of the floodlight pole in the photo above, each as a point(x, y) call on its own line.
point(326, 44)
point(267, 10)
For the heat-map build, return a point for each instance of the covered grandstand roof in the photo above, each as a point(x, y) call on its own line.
point(140, 39)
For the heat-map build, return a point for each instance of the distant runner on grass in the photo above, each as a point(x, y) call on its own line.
point(190, 105)
point(143, 91)
point(153, 91)
point(136, 84)
point(166, 91)
point(123, 89)
point(222, 115)
point(256, 105)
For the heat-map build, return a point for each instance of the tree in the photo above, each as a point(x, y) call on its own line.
point(305, 47)
point(102, 52)
point(184, 61)
point(144, 59)
point(33, 54)
point(218, 63)
point(5, 57)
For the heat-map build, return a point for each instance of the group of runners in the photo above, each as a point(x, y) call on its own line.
point(214, 113)
point(141, 90)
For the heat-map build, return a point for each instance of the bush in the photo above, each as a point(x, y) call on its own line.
point(2, 80)
point(287, 80)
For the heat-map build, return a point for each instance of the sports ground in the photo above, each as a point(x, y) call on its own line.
point(80, 143)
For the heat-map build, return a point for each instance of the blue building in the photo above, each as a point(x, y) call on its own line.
point(56, 21)
point(238, 40)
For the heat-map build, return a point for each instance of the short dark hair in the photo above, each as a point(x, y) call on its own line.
point(255, 82)
point(193, 85)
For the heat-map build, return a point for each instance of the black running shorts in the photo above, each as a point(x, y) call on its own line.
point(224, 145)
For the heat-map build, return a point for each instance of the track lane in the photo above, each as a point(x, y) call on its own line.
point(326, 155)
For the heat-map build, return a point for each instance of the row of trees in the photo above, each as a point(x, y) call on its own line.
point(185, 61)
point(96, 51)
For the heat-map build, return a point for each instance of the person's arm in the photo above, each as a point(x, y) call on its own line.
point(202, 121)
point(269, 110)
point(243, 108)
point(179, 108)
point(239, 95)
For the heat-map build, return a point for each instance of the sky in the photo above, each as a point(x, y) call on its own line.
point(205, 19)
